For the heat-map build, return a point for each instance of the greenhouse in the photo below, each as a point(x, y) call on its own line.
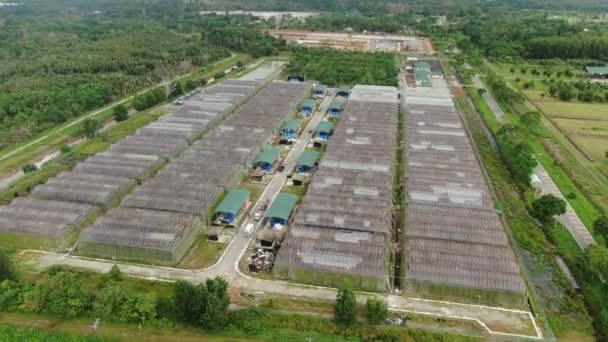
point(140, 235)
point(120, 165)
point(456, 246)
point(38, 223)
point(343, 226)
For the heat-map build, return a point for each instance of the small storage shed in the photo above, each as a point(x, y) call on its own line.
point(307, 107)
point(281, 209)
point(307, 161)
point(324, 130)
point(344, 91)
point(291, 128)
point(335, 108)
point(320, 91)
point(234, 203)
point(267, 159)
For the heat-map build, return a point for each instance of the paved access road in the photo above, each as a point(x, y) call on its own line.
point(570, 219)
point(498, 112)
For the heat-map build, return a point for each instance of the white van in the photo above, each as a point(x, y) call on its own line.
point(248, 229)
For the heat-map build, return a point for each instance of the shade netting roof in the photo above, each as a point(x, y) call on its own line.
point(335, 104)
point(308, 158)
point(320, 88)
point(233, 202)
point(308, 103)
point(268, 155)
point(282, 206)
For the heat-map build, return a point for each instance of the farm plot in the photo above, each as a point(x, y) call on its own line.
point(39, 223)
point(344, 224)
point(586, 125)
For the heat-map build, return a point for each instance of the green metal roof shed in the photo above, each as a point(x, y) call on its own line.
point(292, 125)
point(324, 126)
point(321, 88)
point(308, 103)
point(233, 202)
point(344, 89)
point(421, 75)
point(308, 158)
point(282, 206)
point(422, 65)
point(268, 155)
point(597, 70)
point(335, 104)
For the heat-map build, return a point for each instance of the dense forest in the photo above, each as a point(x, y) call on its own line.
point(336, 68)
point(56, 66)
point(516, 34)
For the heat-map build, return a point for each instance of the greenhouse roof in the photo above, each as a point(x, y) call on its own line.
point(335, 104)
point(268, 155)
point(233, 202)
point(282, 206)
point(325, 126)
point(292, 125)
point(308, 103)
point(308, 158)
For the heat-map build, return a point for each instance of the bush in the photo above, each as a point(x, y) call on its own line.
point(90, 127)
point(219, 75)
point(116, 303)
point(27, 168)
point(66, 149)
point(7, 269)
point(345, 309)
point(203, 304)
point(252, 328)
point(120, 112)
point(63, 294)
point(595, 261)
point(376, 311)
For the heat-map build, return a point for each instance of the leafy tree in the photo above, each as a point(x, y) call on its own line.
point(547, 206)
point(376, 311)
point(217, 303)
point(7, 269)
point(345, 308)
point(66, 149)
point(219, 75)
point(187, 301)
point(121, 113)
point(114, 274)
point(190, 85)
point(27, 168)
point(63, 294)
point(11, 294)
point(530, 120)
point(176, 90)
point(117, 303)
point(601, 225)
point(90, 127)
point(595, 261)
point(203, 304)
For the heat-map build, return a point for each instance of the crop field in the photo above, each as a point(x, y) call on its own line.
point(586, 125)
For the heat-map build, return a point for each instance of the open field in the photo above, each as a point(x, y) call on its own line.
point(573, 110)
point(357, 42)
point(509, 70)
point(590, 135)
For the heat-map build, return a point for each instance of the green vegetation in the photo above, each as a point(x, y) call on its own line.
point(376, 311)
point(27, 168)
point(90, 127)
point(336, 68)
point(8, 333)
point(547, 206)
point(121, 113)
point(345, 309)
point(7, 269)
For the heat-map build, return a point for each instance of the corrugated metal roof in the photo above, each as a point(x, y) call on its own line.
point(308, 103)
point(335, 104)
point(324, 126)
point(345, 89)
point(597, 70)
point(320, 88)
point(422, 75)
point(292, 125)
point(233, 202)
point(268, 155)
point(422, 65)
point(282, 206)
point(308, 158)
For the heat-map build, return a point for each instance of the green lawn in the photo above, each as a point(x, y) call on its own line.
point(573, 110)
point(204, 254)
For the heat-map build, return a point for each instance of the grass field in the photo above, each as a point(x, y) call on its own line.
point(554, 108)
point(204, 254)
point(589, 135)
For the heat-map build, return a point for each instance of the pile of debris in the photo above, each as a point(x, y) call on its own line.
point(261, 260)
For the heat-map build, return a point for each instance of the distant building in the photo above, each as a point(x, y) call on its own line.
point(307, 107)
point(320, 91)
point(422, 65)
point(344, 91)
point(597, 72)
point(267, 159)
point(232, 206)
point(291, 128)
point(335, 108)
point(281, 209)
point(423, 78)
point(307, 162)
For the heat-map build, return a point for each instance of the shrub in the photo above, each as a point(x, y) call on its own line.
point(345, 309)
point(27, 168)
point(7, 269)
point(253, 327)
point(120, 112)
point(376, 311)
point(547, 206)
